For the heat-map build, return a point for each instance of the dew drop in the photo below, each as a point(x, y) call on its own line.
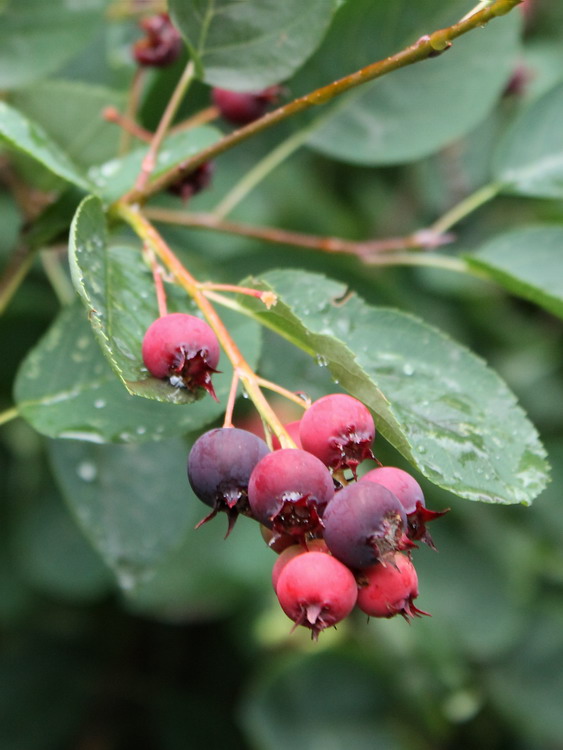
point(321, 360)
point(87, 471)
point(99, 403)
point(408, 370)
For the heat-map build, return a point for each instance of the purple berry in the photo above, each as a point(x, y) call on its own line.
point(409, 492)
point(289, 490)
point(339, 430)
point(183, 349)
point(219, 467)
point(364, 524)
point(162, 44)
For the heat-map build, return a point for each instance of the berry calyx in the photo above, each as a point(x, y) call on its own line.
point(389, 590)
point(409, 492)
point(162, 43)
point(339, 430)
point(288, 492)
point(240, 107)
point(316, 590)
point(365, 524)
point(183, 349)
point(219, 466)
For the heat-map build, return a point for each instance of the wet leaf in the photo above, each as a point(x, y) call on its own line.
point(435, 401)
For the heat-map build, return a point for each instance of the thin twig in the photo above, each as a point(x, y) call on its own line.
point(363, 249)
point(149, 161)
point(426, 47)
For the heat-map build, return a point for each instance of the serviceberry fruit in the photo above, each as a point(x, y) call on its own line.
point(288, 492)
point(189, 185)
point(365, 523)
point(339, 430)
point(316, 590)
point(182, 349)
point(219, 467)
point(314, 545)
point(389, 590)
point(292, 429)
point(409, 492)
point(162, 43)
point(240, 108)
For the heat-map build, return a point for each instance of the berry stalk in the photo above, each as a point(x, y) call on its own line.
point(250, 381)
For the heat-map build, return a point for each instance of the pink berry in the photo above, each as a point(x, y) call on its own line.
point(293, 431)
point(314, 545)
point(289, 490)
point(339, 430)
point(316, 590)
point(183, 349)
point(390, 589)
point(239, 107)
point(410, 494)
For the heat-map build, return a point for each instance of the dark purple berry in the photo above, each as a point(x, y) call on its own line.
point(339, 430)
point(365, 523)
point(289, 490)
point(219, 467)
point(182, 349)
point(240, 107)
point(409, 492)
point(189, 185)
point(162, 43)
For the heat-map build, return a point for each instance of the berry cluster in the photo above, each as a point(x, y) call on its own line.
point(342, 541)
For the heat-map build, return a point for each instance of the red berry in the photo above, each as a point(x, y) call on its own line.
point(314, 545)
point(193, 183)
point(390, 589)
point(183, 349)
point(293, 431)
point(400, 483)
point(339, 430)
point(289, 490)
point(239, 107)
point(162, 43)
point(409, 492)
point(365, 523)
point(219, 467)
point(316, 590)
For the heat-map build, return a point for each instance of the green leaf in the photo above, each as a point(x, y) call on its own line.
point(129, 500)
point(17, 132)
point(118, 290)
point(37, 37)
point(417, 110)
point(251, 44)
point(66, 388)
point(116, 177)
point(527, 262)
point(310, 690)
point(71, 114)
point(529, 159)
point(436, 402)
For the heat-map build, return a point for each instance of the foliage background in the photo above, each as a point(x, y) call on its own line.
point(187, 646)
